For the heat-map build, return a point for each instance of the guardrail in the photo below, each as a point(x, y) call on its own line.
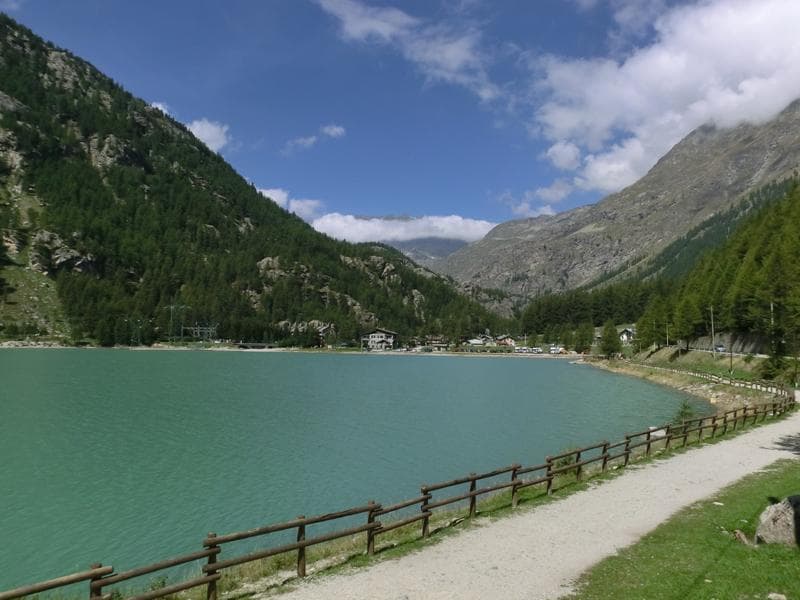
point(552, 471)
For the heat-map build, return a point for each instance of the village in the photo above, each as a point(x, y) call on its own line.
point(384, 340)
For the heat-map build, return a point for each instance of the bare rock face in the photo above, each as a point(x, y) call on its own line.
point(50, 254)
point(780, 523)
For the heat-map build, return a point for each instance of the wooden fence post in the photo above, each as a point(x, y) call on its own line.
point(423, 507)
point(94, 590)
point(627, 450)
point(514, 486)
point(669, 437)
point(714, 427)
point(579, 467)
point(473, 500)
point(647, 447)
point(685, 435)
point(211, 586)
point(605, 455)
point(549, 474)
point(301, 551)
point(735, 418)
point(371, 532)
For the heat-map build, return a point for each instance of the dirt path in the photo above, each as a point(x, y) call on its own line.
point(539, 552)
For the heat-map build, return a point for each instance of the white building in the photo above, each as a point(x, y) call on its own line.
point(379, 339)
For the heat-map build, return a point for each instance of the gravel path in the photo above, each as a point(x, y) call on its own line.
point(539, 552)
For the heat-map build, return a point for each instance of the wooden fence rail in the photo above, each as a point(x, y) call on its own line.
point(641, 443)
point(755, 384)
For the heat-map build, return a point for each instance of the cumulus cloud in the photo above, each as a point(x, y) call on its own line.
point(333, 131)
point(564, 155)
point(388, 229)
point(442, 52)
point(305, 208)
point(718, 61)
point(211, 133)
point(530, 203)
point(163, 107)
point(554, 193)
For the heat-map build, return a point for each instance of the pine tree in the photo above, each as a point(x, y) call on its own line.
point(610, 343)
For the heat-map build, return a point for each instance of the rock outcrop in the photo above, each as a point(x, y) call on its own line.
point(51, 254)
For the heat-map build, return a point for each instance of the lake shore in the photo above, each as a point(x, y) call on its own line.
point(723, 397)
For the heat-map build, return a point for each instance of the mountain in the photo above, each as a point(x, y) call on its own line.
point(706, 173)
point(119, 225)
point(426, 251)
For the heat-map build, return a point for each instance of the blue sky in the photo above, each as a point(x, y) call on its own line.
point(460, 113)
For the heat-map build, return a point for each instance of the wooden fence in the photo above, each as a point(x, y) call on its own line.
point(556, 469)
point(761, 385)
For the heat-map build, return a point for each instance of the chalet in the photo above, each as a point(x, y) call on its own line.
point(505, 340)
point(626, 335)
point(379, 339)
point(437, 343)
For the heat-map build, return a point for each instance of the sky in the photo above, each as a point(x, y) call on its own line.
point(456, 114)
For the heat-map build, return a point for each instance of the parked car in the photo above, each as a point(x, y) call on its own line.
point(719, 348)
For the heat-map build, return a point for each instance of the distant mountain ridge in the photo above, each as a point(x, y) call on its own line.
point(426, 251)
point(707, 172)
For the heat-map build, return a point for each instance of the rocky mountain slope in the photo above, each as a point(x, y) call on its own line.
point(426, 251)
point(119, 225)
point(707, 172)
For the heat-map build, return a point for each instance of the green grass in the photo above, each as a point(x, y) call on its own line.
point(695, 556)
point(34, 302)
point(704, 362)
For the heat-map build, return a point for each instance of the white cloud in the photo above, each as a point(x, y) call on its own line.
point(383, 229)
point(717, 61)
point(360, 22)
point(532, 203)
point(442, 52)
point(526, 210)
point(553, 193)
point(333, 131)
point(304, 208)
point(163, 107)
point(636, 16)
point(564, 155)
point(211, 133)
point(299, 143)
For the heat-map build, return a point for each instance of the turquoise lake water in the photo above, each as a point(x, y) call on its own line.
point(128, 457)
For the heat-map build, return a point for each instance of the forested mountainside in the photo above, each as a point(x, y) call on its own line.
point(706, 173)
point(752, 282)
point(142, 228)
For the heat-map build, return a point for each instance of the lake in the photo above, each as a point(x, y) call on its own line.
point(127, 457)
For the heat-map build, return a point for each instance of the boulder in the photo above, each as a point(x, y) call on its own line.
point(780, 523)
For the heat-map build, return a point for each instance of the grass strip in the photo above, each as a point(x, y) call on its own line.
point(694, 554)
